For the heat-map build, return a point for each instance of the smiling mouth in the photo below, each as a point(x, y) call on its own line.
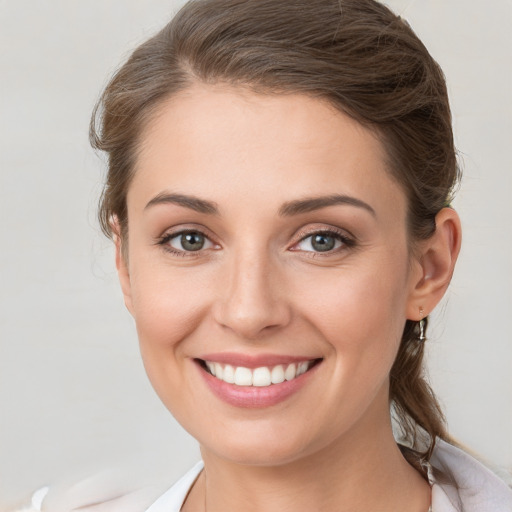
point(263, 376)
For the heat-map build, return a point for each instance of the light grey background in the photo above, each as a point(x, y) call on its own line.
point(73, 394)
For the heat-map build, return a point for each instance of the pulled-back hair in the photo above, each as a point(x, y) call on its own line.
point(357, 55)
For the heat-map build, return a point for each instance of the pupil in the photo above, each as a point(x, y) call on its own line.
point(192, 241)
point(323, 243)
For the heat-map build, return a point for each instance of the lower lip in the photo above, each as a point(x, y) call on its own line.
point(250, 397)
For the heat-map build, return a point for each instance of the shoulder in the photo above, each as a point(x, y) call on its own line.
point(460, 482)
point(110, 492)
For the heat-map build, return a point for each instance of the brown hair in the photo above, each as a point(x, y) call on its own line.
point(357, 55)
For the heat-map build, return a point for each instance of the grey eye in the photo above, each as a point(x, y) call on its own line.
point(320, 242)
point(190, 241)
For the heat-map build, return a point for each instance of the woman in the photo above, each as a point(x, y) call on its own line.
point(279, 188)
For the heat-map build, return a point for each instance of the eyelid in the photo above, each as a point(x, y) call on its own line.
point(179, 235)
point(347, 239)
point(169, 234)
point(323, 228)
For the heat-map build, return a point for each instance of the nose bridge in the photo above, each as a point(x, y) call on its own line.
point(253, 299)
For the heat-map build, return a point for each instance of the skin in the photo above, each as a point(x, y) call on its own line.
point(260, 286)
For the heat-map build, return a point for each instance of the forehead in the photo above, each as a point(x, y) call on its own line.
point(226, 143)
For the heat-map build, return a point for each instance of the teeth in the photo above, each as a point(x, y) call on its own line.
point(290, 372)
point(219, 371)
point(277, 375)
point(243, 376)
point(229, 374)
point(259, 377)
point(302, 368)
point(211, 367)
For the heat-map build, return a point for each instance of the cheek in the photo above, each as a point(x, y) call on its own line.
point(168, 304)
point(360, 313)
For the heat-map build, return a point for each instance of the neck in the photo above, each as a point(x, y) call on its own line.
point(355, 473)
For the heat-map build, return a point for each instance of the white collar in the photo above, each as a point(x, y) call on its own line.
point(172, 500)
point(459, 483)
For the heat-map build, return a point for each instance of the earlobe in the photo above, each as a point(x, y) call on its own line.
point(122, 266)
point(436, 263)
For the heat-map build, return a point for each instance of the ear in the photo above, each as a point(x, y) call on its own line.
point(122, 265)
point(435, 263)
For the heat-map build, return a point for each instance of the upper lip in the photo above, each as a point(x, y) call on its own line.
point(254, 361)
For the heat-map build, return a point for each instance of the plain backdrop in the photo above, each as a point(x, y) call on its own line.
point(73, 394)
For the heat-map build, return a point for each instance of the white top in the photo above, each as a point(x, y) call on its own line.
point(471, 487)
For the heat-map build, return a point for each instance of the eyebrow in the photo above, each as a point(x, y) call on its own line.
point(288, 209)
point(316, 203)
point(187, 201)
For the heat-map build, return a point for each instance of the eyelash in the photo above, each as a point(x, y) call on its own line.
point(164, 242)
point(347, 242)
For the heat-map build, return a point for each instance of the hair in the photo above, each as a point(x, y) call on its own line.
point(355, 54)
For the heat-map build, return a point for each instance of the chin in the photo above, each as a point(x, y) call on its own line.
point(258, 447)
point(260, 454)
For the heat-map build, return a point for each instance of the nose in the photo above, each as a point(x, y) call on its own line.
point(253, 300)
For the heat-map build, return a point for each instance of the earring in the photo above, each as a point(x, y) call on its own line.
point(422, 336)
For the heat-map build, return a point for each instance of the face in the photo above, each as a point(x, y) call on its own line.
point(267, 243)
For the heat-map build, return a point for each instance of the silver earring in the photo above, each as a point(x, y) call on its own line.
point(422, 336)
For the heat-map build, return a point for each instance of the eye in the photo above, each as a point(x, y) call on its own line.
point(186, 241)
point(323, 241)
